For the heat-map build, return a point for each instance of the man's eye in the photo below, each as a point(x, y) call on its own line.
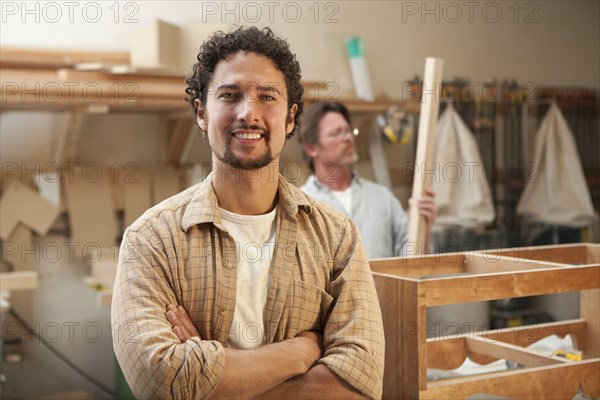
point(228, 96)
point(268, 97)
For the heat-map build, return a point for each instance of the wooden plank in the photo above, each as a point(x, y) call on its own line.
point(593, 253)
point(432, 84)
point(68, 151)
point(504, 285)
point(590, 312)
point(43, 58)
point(446, 353)
point(553, 381)
point(485, 263)
point(577, 253)
point(450, 352)
point(91, 210)
point(137, 196)
point(21, 280)
point(415, 271)
point(403, 355)
point(511, 352)
point(416, 267)
point(20, 203)
point(179, 131)
point(79, 88)
point(126, 69)
point(529, 334)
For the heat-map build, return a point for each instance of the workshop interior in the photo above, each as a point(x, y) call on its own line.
point(492, 105)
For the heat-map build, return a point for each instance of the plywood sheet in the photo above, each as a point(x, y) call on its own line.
point(14, 250)
point(165, 183)
point(91, 209)
point(22, 204)
point(136, 196)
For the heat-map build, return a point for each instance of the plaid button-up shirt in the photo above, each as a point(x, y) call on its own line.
point(179, 252)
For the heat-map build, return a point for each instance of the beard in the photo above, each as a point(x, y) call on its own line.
point(229, 158)
point(350, 160)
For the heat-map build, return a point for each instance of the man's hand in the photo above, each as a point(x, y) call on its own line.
point(426, 206)
point(181, 322)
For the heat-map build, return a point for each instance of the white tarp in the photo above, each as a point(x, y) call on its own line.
point(557, 193)
point(462, 193)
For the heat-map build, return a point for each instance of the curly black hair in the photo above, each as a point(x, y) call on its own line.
point(220, 45)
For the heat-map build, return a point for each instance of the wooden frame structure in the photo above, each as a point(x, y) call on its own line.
point(407, 286)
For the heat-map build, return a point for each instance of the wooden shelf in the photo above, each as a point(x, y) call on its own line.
point(407, 286)
point(104, 82)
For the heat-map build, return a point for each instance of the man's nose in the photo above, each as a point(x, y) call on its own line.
point(348, 136)
point(248, 109)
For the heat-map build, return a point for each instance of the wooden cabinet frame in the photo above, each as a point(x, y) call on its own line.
point(406, 286)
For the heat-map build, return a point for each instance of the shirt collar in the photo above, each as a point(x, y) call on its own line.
point(356, 179)
point(204, 207)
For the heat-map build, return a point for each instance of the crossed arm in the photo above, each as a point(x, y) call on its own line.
point(288, 368)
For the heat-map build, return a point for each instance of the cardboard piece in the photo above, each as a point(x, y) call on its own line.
point(22, 204)
point(91, 210)
point(48, 184)
point(136, 196)
point(14, 250)
point(165, 183)
point(155, 46)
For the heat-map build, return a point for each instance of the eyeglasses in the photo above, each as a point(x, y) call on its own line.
point(338, 134)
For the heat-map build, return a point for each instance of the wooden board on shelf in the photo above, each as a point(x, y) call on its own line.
point(53, 59)
point(63, 80)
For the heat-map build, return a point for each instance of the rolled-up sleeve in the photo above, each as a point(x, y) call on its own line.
point(353, 336)
point(154, 362)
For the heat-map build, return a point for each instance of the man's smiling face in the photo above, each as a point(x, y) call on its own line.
point(246, 114)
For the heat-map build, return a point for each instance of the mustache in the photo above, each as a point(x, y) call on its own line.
point(244, 126)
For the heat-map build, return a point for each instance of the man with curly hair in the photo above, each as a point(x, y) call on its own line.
point(242, 286)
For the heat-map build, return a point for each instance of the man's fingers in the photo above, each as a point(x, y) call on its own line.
point(181, 322)
point(171, 307)
point(186, 321)
point(178, 328)
point(181, 334)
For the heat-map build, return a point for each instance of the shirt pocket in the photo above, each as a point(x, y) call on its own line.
point(306, 308)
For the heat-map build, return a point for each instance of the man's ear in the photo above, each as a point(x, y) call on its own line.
point(311, 149)
point(291, 118)
point(201, 116)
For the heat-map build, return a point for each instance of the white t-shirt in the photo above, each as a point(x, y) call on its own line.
point(345, 198)
point(254, 236)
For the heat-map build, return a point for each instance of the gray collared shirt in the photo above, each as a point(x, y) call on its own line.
point(379, 216)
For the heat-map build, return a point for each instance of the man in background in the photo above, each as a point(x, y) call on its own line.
point(330, 151)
